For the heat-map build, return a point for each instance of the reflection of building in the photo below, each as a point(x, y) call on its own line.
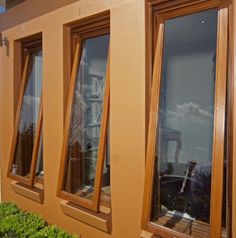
point(86, 122)
point(168, 135)
point(75, 168)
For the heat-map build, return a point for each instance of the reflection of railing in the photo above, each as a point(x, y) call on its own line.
point(177, 178)
point(188, 194)
point(189, 169)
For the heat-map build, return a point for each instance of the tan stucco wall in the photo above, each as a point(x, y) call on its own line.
point(127, 116)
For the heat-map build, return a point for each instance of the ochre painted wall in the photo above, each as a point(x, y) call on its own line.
point(127, 116)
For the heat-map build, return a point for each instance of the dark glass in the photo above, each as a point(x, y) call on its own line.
point(183, 168)
point(28, 117)
point(86, 117)
point(106, 189)
point(39, 173)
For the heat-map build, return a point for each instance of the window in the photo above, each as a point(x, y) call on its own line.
point(26, 159)
point(85, 169)
point(184, 194)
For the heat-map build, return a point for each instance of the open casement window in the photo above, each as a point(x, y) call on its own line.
point(184, 195)
point(26, 158)
point(85, 167)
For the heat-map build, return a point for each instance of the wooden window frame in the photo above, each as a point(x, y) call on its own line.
point(23, 49)
point(81, 30)
point(169, 10)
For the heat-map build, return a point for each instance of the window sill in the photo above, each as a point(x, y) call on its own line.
point(36, 193)
point(146, 234)
point(101, 220)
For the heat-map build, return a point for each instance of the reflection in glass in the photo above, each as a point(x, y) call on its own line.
point(86, 117)
point(39, 173)
point(182, 180)
point(28, 117)
point(106, 189)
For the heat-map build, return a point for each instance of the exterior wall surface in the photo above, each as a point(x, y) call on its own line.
point(127, 113)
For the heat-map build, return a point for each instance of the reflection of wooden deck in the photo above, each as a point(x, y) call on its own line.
point(186, 226)
point(105, 196)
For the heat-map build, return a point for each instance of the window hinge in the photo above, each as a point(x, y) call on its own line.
point(3, 41)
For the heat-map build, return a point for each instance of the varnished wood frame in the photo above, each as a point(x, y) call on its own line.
point(219, 115)
point(26, 47)
point(86, 29)
point(230, 122)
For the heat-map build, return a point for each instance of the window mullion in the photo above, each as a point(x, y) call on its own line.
point(153, 122)
point(102, 140)
point(69, 114)
point(219, 126)
point(36, 145)
point(18, 112)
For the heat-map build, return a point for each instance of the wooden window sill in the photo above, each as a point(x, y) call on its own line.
point(146, 234)
point(198, 231)
point(36, 193)
point(101, 220)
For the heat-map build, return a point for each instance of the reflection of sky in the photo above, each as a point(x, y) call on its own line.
point(87, 101)
point(189, 104)
point(195, 125)
point(2, 9)
point(32, 95)
point(89, 92)
point(187, 97)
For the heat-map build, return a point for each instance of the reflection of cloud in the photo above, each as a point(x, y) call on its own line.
point(190, 110)
point(31, 100)
point(195, 125)
point(194, 110)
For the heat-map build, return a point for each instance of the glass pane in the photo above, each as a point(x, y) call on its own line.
point(39, 166)
point(28, 117)
point(106, 188)
point(86, 117)
point(182, 180)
